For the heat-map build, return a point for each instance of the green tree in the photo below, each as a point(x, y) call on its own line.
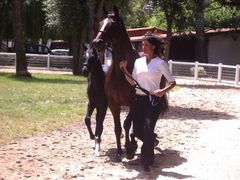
point(218, 15)
point(6, 30)
point(74, 18)
point(69, 19)
point(136, 15)
point(230, 2)
point(21, 63)
point(198, 7)
point(173, 12)
point(33, 20)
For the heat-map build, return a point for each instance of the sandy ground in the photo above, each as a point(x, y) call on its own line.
point(199, 139)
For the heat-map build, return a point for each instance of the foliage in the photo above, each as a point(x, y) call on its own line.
point(218, 16)
point(63, 16)
point(41, 103)
point(33, 19)
point(73, 14)
point(5, 19)
point(136, 10)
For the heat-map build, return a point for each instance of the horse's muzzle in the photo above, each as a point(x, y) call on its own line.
point(85, 71)
point(98, 44)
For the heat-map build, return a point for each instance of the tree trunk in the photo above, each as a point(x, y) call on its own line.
point(77, 50)
point(21, 63)
point(201, 49)
point(95, 7)
point(168, 38)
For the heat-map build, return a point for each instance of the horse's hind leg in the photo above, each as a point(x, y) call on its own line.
point(90, 109)
point(130, 146)
point(117, 129)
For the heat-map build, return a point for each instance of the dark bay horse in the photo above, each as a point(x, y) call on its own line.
point(97, 99)
point(118, 90)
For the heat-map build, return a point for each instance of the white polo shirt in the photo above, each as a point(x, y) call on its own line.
point(149, 75)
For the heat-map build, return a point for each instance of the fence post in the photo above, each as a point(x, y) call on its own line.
point(170, 65)
point(48, 61)
point(219, 72)
point(15, 61)
point(196, 70)
point(237, 74)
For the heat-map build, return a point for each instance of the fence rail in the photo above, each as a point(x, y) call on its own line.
point(196, 70)
point(39, 61)
point(218, 72)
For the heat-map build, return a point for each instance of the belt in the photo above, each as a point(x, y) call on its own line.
point(142, 95)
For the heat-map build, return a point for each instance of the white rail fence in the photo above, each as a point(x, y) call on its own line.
point(217, 72)
point(45, 61)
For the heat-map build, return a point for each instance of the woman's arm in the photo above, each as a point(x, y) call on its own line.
point(123, 67)
point(161, 92)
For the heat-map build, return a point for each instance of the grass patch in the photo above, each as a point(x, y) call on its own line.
point(42, 103)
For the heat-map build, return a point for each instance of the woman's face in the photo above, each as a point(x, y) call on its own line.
point(147, 47)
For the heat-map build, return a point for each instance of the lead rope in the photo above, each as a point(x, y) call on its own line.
point(153, 101)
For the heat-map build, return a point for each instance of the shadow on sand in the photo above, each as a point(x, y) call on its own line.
point(167, 158)
point(183, 113)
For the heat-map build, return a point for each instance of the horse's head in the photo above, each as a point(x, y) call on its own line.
point(91, 61)
point(110, 31)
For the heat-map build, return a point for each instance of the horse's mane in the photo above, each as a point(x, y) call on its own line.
point(125, 51)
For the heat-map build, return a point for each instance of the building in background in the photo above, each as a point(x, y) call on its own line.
point(223, 45)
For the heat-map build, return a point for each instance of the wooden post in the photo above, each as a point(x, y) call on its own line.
point(48, 61)
point(196, 71)
point(219, 72)
point(170, 65)
point(237, 74)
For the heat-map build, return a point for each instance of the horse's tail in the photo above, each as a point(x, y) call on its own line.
point(164, 106)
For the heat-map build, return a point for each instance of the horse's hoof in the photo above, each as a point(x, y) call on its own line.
point(131, 148)
point(93, 144)
point(97, 154)
point(156, 142)
point(97, 149)
point(130, 156)
point(118, 158)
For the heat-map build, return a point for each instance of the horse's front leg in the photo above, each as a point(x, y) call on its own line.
point(100, 116)
point(90, 109)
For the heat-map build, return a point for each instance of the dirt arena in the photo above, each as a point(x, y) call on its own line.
point(199, 139)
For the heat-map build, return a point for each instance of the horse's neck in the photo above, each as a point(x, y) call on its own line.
point(123, 44)
point(97, 76)
point(123, 50)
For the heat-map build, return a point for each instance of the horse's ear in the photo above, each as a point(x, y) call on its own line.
point(105, 11)
point(115, 10)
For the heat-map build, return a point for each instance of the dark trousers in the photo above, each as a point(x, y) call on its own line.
point(144, 121)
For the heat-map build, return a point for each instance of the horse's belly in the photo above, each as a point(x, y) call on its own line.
point(120, 95)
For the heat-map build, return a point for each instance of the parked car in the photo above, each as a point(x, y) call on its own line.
point(60, 52)
point(58, 44)
point(36, 49)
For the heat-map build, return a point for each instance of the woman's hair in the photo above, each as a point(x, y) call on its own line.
point(155, 41)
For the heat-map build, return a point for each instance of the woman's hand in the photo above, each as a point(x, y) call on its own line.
point(123, 65)
point(159, 92)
